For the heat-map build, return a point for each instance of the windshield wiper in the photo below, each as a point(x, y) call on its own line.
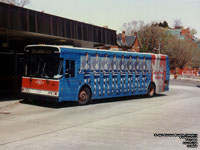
point(43, 72)
point(59, 75)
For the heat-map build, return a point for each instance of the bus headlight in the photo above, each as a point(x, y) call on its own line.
point(25, 90)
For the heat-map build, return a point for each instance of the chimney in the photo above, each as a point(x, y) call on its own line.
point(123, 37)
point(135, 33)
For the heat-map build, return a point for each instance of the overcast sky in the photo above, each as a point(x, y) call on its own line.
point(116, 12)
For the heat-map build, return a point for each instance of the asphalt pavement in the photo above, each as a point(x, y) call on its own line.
point(112, 124)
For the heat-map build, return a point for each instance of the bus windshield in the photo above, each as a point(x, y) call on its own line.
point(43, 66)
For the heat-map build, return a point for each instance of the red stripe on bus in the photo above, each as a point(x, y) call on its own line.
point(163, 57)
point(40, 84)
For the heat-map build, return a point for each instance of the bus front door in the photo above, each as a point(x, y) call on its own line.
point(69, 83)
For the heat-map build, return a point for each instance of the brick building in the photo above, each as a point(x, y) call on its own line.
point(184, 34)
point(127, 43)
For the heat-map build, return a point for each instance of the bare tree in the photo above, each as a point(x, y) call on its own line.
point(193, 31)
point(20, 3)
point(141, 24)
point(180, 52)
point(132, 26)
point(152, 37)
point(178, 23)
point(195, 57)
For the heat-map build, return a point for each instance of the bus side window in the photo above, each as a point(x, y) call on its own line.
point(70, 69)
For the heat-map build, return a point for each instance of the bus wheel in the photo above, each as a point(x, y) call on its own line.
point(84, 96)
point(27, 100)
point(151, 90)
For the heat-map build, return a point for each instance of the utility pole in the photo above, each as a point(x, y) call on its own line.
point(159, 48)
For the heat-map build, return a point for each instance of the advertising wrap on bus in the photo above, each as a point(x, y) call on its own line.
point(80, 74)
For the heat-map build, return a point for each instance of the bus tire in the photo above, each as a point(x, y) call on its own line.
point(27, 100)
point(84, 96)
point(151, 90)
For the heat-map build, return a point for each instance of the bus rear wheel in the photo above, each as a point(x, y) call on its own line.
point(151, 90)
point(84, 96)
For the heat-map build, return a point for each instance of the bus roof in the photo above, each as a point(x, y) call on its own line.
point(90, 49)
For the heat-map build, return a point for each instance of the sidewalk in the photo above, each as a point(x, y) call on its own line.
point(6, 102)
point(184, 77)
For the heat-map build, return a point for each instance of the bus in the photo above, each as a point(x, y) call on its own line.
point(66, 73)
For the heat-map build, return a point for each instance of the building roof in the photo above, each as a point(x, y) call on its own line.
point(129, 41)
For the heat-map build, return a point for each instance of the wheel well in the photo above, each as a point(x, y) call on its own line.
point(153, 84)
point(86, 86)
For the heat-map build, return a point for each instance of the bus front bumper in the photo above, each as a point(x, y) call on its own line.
point(26, 96)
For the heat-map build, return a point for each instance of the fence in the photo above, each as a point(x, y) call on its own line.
point(186, 72)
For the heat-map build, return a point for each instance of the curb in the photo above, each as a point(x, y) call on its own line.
point(190, 79)
point(7, 104)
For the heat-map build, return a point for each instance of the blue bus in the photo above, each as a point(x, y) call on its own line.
point(64, 73)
